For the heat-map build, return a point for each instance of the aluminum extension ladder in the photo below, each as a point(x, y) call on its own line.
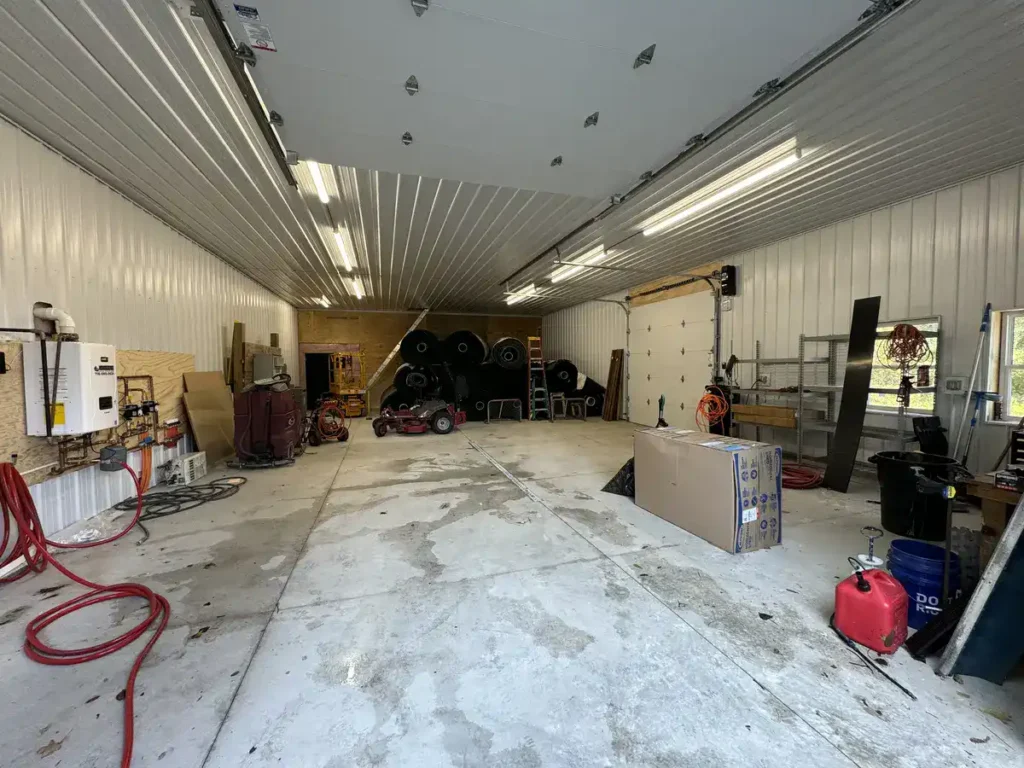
point(537, 378)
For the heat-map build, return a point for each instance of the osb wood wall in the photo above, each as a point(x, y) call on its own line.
point(166, 368)
point(376, 333)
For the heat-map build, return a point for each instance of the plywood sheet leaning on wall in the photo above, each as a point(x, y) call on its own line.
point(166, 368)
point(211, 415)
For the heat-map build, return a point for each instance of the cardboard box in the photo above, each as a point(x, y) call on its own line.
point(726, 490)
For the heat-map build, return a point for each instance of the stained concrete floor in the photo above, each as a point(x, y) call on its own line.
point(475, 600)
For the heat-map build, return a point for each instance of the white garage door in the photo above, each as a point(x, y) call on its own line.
point(670, 353)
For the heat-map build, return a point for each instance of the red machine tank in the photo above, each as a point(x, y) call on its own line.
point(871, 609)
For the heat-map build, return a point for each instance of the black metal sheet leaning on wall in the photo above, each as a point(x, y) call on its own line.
point(856, 384)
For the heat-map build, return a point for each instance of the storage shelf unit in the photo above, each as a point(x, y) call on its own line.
point(815, 397)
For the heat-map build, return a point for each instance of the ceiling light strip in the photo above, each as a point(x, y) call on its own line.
point(552, 219)
point(524, 293)
point(663, 222)
point(235, 109)
point(318, 181)
point(160, 97)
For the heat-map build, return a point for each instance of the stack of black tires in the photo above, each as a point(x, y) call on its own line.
point(462, 369)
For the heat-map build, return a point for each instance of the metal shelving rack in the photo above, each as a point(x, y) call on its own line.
point(807, 391)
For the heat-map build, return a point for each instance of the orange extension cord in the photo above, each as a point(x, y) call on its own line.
point(711, 409)
point(16, 503)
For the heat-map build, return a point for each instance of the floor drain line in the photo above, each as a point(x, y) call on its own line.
point(518, 483)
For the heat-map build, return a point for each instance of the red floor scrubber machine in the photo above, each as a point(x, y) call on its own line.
point(434, 415)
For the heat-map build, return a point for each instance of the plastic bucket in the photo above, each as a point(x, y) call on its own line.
point(918, 567)
point(905, 512)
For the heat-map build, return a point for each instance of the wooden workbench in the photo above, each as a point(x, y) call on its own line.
point(997, 504)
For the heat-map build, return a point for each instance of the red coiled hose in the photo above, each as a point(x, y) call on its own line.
point(17, 505)
point(800, 478)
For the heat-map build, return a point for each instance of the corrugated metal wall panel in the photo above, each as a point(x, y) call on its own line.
point(944, 254)
point(127, 279)
point(587, 334)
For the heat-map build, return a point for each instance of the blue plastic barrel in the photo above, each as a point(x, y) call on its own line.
point(918, 567)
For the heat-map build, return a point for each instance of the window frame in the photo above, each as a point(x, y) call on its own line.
point(935, 344)
point(1008, 318)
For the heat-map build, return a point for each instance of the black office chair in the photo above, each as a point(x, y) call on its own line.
point(931, 435)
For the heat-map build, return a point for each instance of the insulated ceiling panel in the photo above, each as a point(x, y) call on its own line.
point(505, 87)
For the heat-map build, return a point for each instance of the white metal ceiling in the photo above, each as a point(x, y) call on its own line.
point(507, 86)
point(931, 97)
point(138, 94)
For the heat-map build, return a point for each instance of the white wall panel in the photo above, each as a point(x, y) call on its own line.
point(127, 279)
point(587, 334)
point(945, 254)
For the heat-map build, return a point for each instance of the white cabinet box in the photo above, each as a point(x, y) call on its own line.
point(86, 392)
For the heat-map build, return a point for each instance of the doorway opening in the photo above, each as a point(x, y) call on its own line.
point(317, 377)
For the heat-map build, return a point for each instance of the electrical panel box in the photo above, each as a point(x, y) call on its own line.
point(87, 398)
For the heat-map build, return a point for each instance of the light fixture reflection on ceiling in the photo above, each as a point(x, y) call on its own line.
point(323, 301)
point(747, 176)
point(570, 268)
point(318, 181)
point(340, 240)
point(522, 294)
point(357, 288)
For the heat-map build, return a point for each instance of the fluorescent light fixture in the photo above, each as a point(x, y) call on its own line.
point(318, 181)
point(522, 294)
point(747, 176)
point(568, 269)
point(323, 301)
point(357, 288)
point(340, 240)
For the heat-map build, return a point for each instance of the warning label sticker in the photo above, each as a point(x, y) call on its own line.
point(247, 12)
point(256, 31)
point(259, 36)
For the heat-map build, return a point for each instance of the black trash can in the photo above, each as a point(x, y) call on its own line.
point(905, 512)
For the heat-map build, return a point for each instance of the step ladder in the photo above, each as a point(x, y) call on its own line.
point(537, 380)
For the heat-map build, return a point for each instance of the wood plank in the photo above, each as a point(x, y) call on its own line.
point(765, 415)
point(238, 357)
point(637, 300)
point(203, 380)
point(613, 392)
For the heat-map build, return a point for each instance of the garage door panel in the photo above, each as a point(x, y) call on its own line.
point(678, 334)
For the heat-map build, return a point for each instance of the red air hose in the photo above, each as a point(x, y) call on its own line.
point(17, 504)
point(800, 478)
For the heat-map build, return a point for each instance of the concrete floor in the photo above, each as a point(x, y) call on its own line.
point(476, 600)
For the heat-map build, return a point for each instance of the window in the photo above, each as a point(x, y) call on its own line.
point(1011, 364)
point(886, 374)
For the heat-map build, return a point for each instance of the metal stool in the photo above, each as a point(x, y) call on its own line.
point(514, 404)
point(571, 407)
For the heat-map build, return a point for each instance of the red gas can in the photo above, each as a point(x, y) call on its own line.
point(871, 609)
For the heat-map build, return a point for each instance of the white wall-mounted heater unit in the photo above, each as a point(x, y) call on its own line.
point(86, 392)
